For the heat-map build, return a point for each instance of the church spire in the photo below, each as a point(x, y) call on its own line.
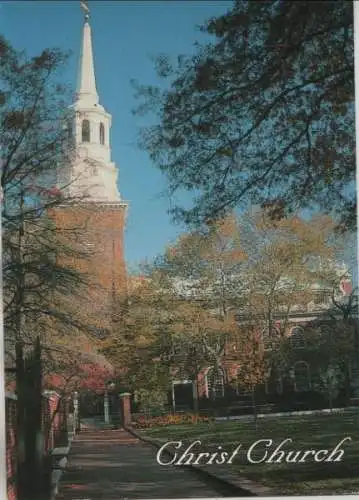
point(86, 84)
point(92, 172)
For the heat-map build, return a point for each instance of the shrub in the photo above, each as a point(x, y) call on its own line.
point(293, 401)
point(150, 399)
point(174, 419)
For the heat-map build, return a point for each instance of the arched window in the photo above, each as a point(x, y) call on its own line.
point(102, 134)
point(215, 382)
point(267, 342)
point(301, 376)
point(270, 341)
point(297, 338)
point(85, 131)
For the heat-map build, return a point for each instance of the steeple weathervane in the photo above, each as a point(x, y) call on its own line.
point(85, 8)
point(86, 83)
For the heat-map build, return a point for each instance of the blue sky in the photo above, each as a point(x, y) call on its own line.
point(125, 35)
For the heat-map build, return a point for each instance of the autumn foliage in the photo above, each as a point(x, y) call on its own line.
point(176, 419)
point(215, 293)
point(86, 377)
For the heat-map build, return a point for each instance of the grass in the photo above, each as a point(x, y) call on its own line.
point(315, 432)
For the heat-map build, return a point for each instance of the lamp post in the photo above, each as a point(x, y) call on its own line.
point(106, 406)
point(292, 378)
point(76, 417)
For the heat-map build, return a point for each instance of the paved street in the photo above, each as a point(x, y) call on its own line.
point(112, 464)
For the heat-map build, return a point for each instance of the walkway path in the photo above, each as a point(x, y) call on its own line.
point(112, 464)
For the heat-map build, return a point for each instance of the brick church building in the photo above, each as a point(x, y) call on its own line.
point(96, 216)
point(294, 386)
point(99, 215)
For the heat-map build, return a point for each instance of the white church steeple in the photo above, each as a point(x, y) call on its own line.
point(86, 82)
point(93, 174)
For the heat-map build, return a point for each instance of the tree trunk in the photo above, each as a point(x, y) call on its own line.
point(254, 409)
point(330, 399)
point(195, 396)
point(347, 385)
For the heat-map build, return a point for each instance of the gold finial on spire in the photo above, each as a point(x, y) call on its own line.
point(85, 8)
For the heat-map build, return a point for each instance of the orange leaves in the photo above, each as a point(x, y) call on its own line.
point(183, 418)
point(221, 236)
point(195, 321)
point(285, 268)
point(249, 366)
point(225, 227)
point(236, 255)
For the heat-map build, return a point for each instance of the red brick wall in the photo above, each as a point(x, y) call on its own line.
point(102, 227)
point(49, 407)
point(229, 363)
point(125, 409)
point(11, 447)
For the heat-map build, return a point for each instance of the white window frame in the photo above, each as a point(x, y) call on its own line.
point(268, 340)
point(300, 337)
point(223, 384)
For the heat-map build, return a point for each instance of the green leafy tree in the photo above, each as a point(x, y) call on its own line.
point(330, 381)
point(138, 343)
point(263, 112)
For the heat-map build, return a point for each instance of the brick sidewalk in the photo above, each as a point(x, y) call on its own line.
point(112, 464)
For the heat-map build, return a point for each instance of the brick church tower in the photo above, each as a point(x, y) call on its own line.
point(91, 179)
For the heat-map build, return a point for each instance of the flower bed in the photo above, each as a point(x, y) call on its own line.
point(182, 418)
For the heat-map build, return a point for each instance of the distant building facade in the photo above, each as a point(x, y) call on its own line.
point(217, 386)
